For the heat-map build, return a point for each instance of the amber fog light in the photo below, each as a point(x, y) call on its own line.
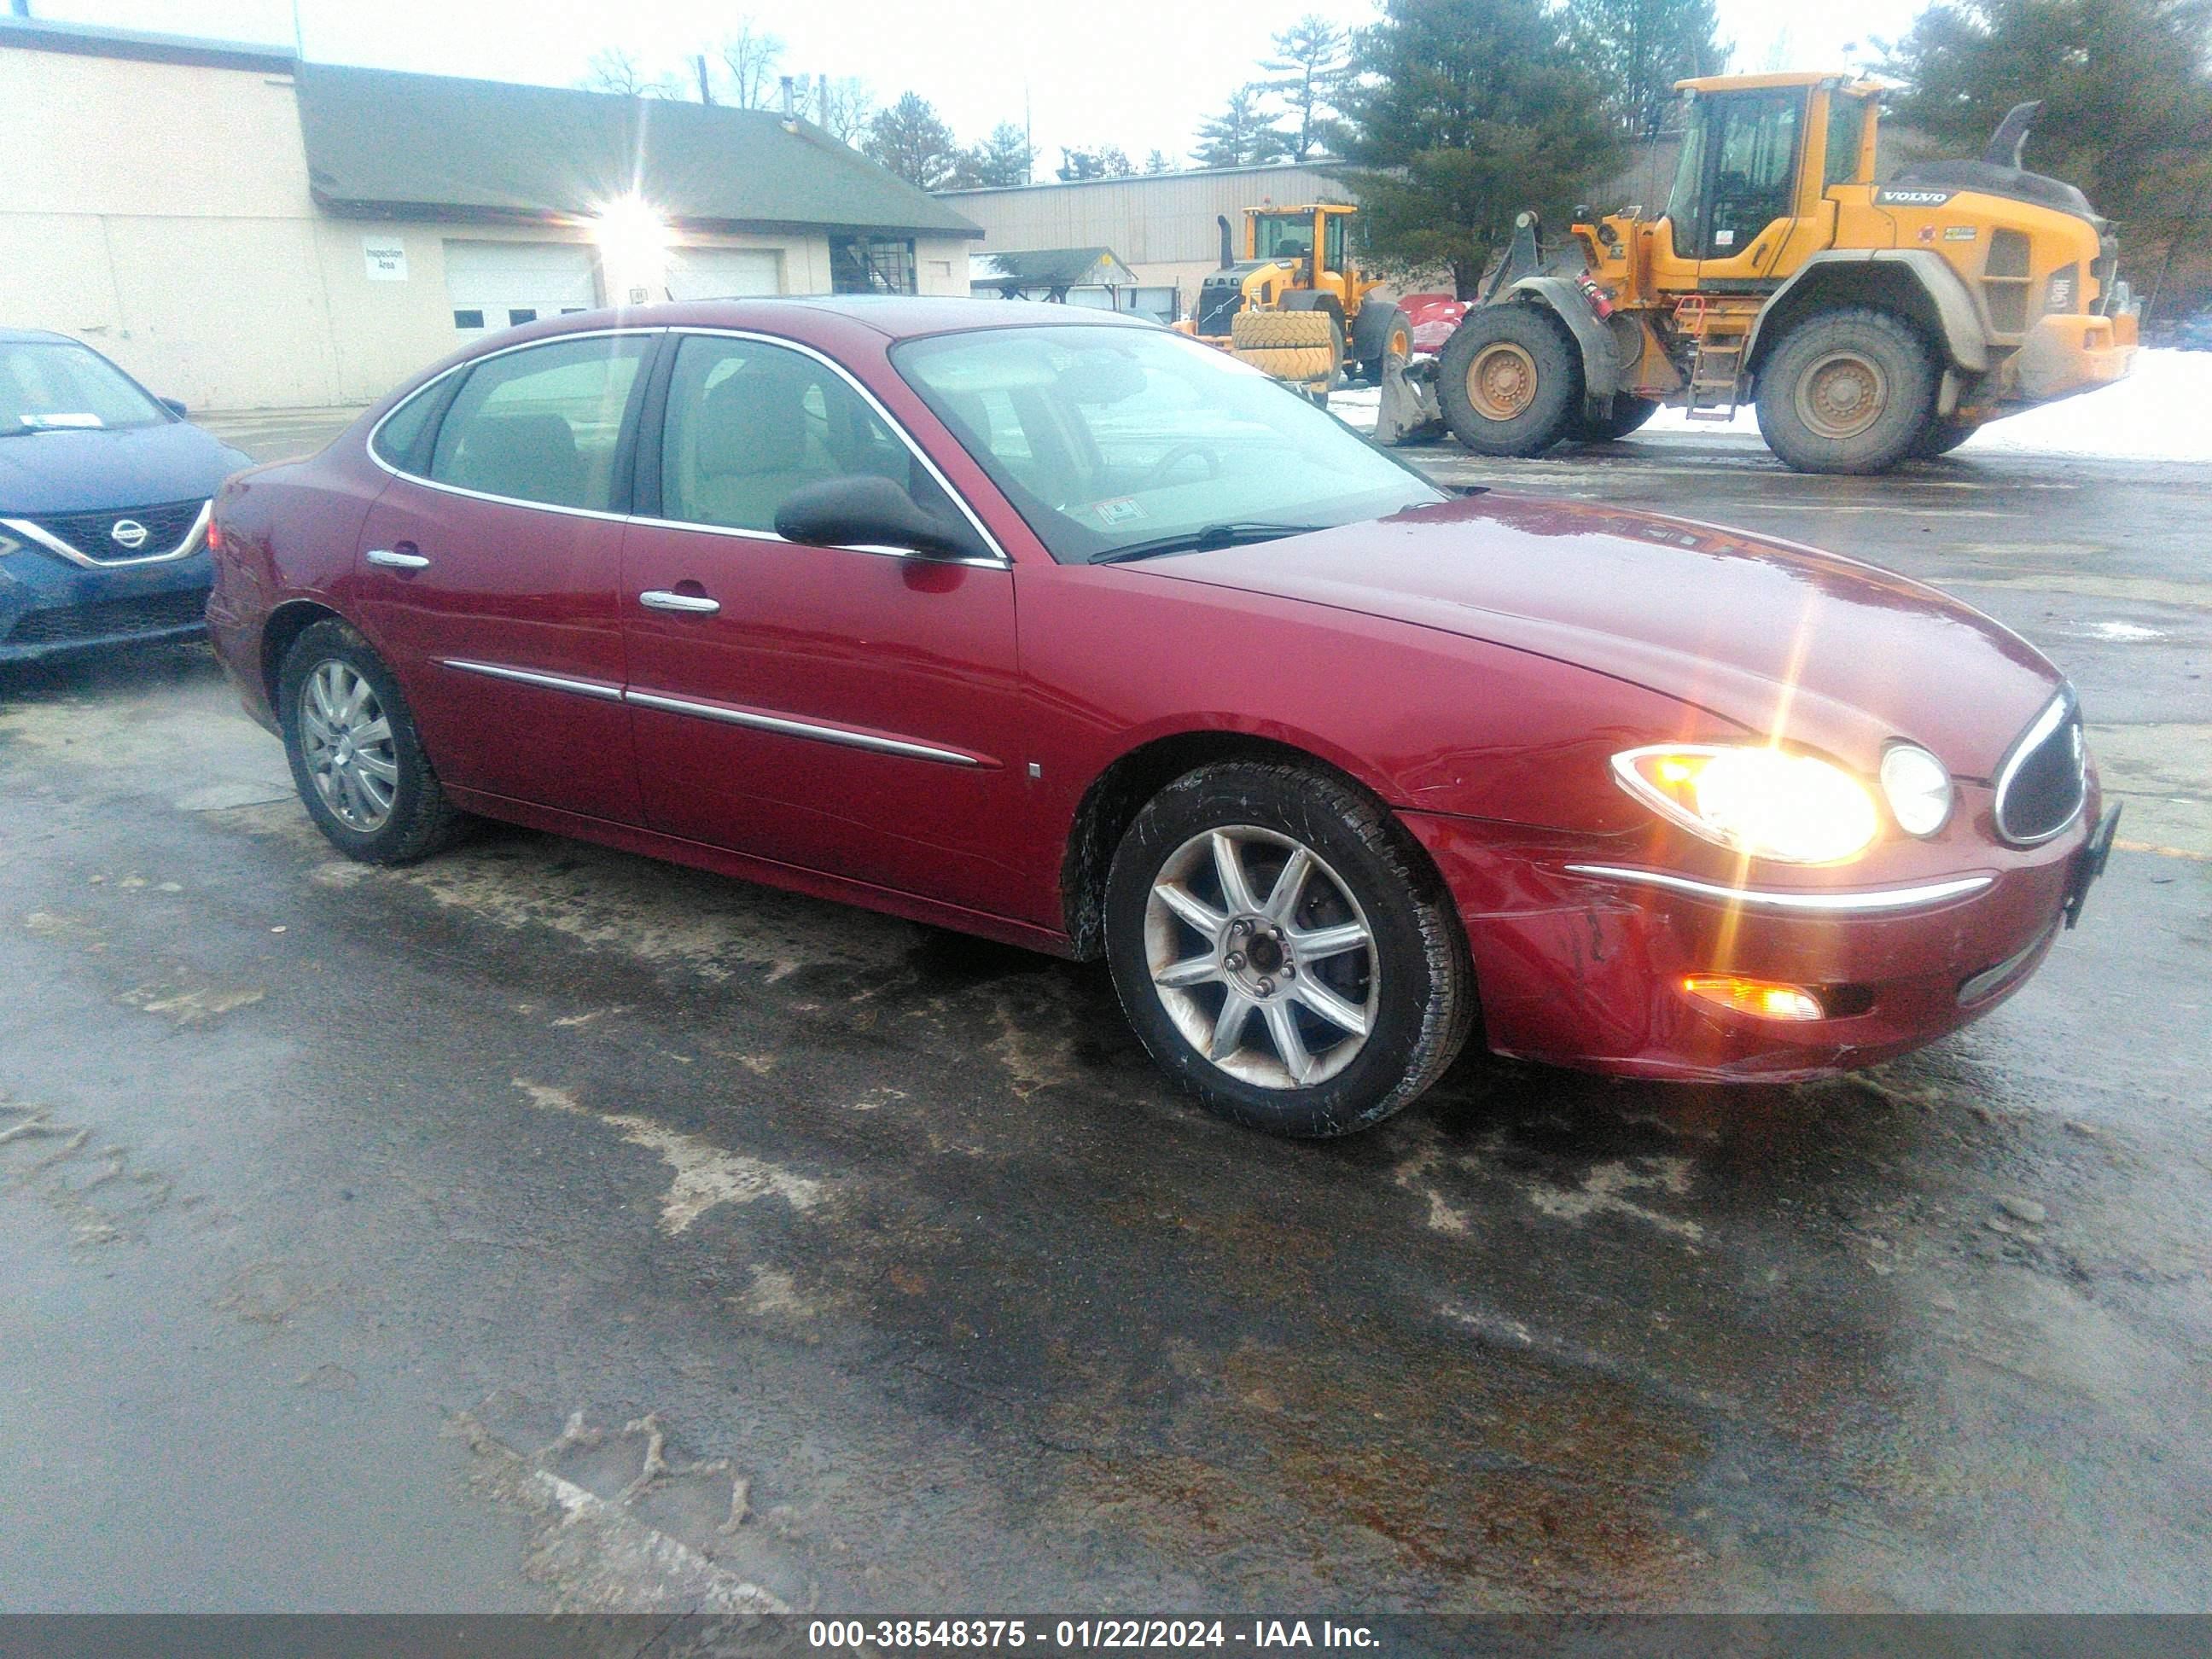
point(1760, 998)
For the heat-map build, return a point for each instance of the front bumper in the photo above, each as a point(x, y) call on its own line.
point(1580, 959)
point(49, 608)
point(2068, 354)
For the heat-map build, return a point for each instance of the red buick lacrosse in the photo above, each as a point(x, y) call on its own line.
point(1060, 628)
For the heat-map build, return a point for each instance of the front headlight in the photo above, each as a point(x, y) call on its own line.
point(9, 544)
point(1917, 788)
point(1764, 803)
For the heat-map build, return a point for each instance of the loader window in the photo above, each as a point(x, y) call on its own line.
point(1739, 165)
point(1846, 128)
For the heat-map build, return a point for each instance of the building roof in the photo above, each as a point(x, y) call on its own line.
point(1312, 164)
point(1050, 268)
point(383, 143)
point(38, 34)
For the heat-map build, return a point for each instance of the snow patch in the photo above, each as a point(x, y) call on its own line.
point(705, 1175)
point(2156, 414)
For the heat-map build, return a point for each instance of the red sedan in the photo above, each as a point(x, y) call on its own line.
point(1058, 628)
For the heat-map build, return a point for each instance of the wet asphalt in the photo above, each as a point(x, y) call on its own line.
point(543, 1228)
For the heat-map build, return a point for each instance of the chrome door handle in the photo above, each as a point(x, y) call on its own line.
point(690, 604)
point(393, 561)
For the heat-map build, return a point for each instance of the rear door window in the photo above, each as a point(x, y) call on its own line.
point(544, 424)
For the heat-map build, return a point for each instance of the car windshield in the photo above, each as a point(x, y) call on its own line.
point(48, 385)
point(1109, 440)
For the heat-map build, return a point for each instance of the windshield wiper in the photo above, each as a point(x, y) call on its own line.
point(1234, 532)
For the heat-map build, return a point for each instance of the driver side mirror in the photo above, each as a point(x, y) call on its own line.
point(174, 405)
point(864, 509)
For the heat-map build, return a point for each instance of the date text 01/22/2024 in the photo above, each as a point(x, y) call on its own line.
point(1090, 1635)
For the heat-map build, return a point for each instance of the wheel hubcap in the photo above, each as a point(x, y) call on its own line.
point(1501, 381)
point(346, 742)
point(1842, 394)
point(1262, 957)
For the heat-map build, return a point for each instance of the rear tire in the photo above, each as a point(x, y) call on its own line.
point(1847, 391)
point(1629, 412)
point(1255, 1021)
point(355, 757)
point(1509, 381)
point(1378, 330)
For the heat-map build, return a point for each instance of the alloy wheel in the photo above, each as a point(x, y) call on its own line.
point(346, 742)
point(1262, 957)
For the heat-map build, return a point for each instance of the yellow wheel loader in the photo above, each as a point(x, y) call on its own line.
point(1868, 323)
point(1297, 304)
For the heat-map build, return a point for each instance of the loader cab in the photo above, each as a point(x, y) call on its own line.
point(1759, 154)
point(1291, 238)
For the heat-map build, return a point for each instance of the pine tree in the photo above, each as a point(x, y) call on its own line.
point(1004, 158)
point(1242, 135)
point(1312, 57)
point(2127, 99)
point(1467, 112)
point(912, 141)
point(1158, 160)
point(1639, 48)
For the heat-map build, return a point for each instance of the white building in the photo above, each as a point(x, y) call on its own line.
point(241, 230)
point(1165, 226)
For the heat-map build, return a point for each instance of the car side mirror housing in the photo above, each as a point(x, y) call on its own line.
point(864, 509)
point(174, 405)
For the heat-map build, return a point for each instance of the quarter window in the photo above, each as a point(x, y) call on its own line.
point(542, 425)
point(749, 422)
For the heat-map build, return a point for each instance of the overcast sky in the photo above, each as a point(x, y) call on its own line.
point(1139, 73)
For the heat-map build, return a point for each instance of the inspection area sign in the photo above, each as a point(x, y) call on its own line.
point(386, 257)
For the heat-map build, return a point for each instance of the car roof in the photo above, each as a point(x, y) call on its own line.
point(34, 335)
point(894, 316)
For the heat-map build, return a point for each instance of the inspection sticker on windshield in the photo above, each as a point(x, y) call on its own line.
point(1122, 509)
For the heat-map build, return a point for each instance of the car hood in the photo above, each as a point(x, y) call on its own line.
point(1768, 634)
point(81, 471)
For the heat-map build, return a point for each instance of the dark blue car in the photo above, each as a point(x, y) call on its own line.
point(104, 498)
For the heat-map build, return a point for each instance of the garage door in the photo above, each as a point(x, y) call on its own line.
point(496, 285)
point(723, 273)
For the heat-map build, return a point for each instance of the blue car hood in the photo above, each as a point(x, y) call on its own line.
point(92, 472)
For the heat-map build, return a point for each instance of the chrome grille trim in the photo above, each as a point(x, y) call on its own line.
point(194, 538)
point(2059, 717)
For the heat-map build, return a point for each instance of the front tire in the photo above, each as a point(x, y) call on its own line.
point(1847, 391)
point(1282, 951)
point(1509, 381)
point(356, 757)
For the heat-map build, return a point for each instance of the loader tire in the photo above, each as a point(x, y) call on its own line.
point(1379, 330)
point(1940, 436)
point(1628, 413)
point(1509, 381)
point(1299, 363)
point(1274, 330)
point(1847, 391)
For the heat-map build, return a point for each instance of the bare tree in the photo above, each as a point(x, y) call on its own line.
point(619, 71)
point(840, 104)
point(750, 58)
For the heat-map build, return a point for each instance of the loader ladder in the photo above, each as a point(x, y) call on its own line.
point(1718, 336)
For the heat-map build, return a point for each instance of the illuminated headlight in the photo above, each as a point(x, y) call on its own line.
point(1916, 787)
point(1764, 803)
